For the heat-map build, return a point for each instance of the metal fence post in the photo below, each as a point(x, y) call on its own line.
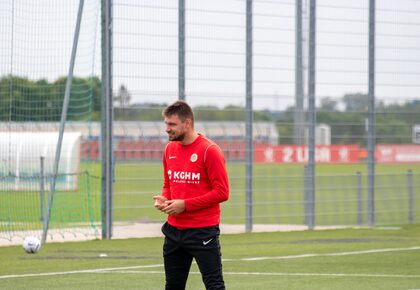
point(359, 199)
point(181, 49)
point(410, 196)
point(249, 119)
point(107, 121)
point(311, 114)
point(299, 116)
point(42, 187)
point(64, 111)
point(306, 210)
point(371, 117)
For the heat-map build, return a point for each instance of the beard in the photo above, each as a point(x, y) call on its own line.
point(175, 137)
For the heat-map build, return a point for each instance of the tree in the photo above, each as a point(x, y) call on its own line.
point(355, 102)
point(22, 99)
point(329, 104)
point(140, 112)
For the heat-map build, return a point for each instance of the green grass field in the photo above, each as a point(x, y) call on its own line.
point(277, 197)
point(381, 258)
point(278, 193)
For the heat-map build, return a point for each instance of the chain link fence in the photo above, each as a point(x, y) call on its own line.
point(312, 69)
point(315, 105)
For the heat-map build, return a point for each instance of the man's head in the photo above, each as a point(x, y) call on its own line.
point(179, 120)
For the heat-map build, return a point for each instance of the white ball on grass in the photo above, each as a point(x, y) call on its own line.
point(31, 245)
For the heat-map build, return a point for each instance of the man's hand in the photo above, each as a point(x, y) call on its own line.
point(173, 207)
point(159, 201)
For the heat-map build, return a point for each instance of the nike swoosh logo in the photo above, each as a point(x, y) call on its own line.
point(206, 242)
point(172, 157)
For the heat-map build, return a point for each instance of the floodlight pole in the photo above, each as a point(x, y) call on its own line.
point(63, 121)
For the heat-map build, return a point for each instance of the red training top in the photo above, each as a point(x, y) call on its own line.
point(197, 174)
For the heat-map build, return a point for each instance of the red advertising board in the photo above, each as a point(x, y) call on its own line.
point(299, 154)
point(397, 153)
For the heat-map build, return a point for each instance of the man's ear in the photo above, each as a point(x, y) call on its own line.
point(188, 121)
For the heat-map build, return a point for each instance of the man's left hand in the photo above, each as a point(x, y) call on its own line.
point(174, 207)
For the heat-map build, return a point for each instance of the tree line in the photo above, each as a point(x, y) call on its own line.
point(347, 118)
point(22, 99)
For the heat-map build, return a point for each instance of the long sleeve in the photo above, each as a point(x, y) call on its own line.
point(166, 190)
point(216, 171)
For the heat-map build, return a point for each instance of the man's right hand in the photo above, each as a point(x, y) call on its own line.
point(160, 202)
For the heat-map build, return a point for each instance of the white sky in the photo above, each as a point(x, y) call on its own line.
point(36, 39)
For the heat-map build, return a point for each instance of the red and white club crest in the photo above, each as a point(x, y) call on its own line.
point(194, 157)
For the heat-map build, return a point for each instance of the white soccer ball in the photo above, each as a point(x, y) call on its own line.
point(31, 245)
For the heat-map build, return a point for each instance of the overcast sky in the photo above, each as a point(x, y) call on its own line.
point(36, 39)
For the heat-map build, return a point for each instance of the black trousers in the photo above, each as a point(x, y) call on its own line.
point(179, 249)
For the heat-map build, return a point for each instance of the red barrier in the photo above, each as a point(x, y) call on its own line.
point(234, 150)
point(299, 154)
point(397, 153)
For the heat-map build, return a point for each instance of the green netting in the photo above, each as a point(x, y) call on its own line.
point(37, 39)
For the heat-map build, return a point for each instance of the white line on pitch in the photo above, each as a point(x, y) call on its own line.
point(280, 274)
point(78, 271)
point(328, 254)
point(225, 260)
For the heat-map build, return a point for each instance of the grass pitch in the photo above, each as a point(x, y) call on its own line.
point(379, 258)
point(278, 193)
point(278, 196)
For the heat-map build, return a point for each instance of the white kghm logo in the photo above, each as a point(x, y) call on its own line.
point(184, 177)
point(194, 157)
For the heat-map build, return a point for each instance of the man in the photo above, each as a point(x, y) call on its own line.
point(195, 183)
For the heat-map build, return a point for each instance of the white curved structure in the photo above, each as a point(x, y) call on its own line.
point(20, 160)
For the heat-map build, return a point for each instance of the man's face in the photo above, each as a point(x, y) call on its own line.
point(176, 128)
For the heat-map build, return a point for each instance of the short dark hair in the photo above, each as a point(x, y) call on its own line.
point(181, 109)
